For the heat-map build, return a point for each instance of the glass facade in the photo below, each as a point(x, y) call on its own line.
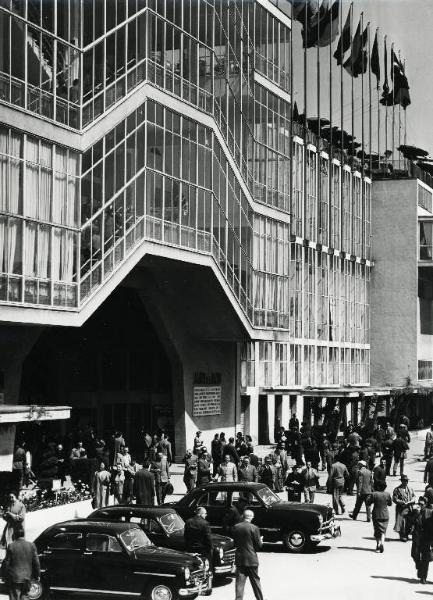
point(287, 225)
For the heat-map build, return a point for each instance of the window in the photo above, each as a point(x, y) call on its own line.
point(66, 541)
point(424, 369)
point(96, 542)
point(151, 525)
point(425, 241)
point(134, 539)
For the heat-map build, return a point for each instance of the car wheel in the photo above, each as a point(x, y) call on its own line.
point(160, 591)
point(294, 540)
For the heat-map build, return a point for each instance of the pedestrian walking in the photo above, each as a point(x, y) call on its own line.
point(364, 489)
point(118, 483)
point(422, 538)
point(161, 472)
point(14, 515)
point(337, 477)
point(428, 443)
point(190, 470)
point(428, 472)
point(216, 453)
point(400, 447)
point(101, 487)
point(403, 498)
point(379, 474)
point(197, 444)
point(247, 541)
point(310, 481)
point(388, 453)
point(380, 499)
point(20, 566)
point(144, 486)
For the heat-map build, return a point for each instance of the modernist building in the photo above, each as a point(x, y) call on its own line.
point(402, 286)
point(174, 251)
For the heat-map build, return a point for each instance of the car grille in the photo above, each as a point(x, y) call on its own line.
point(198, 577)
point(229, 556)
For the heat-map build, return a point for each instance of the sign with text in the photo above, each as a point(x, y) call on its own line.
point(7, 441)
point(206, 400)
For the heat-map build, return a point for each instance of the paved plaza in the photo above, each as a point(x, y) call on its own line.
point(346, 568)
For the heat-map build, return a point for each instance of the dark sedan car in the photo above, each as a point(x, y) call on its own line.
point(164, 527)
point(114, 559)
point(299, 526)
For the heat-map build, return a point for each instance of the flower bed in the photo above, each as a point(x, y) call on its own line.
point(38, 499)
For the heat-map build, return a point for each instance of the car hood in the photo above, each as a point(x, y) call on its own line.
point(302, 507)
point(166, 557)
point(222, 541)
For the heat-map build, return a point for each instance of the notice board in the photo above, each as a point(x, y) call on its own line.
point(206, 400)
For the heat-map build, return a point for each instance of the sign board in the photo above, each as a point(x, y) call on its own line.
point(7, 442)
point(206, 400)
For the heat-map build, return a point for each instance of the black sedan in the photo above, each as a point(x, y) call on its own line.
point(299, 526)
point(114, 559)
point(164, 527)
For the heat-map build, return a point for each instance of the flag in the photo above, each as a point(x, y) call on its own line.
point(385, 87)
point(357, 61)
point(297, 8)
point(309, 17)
point(295, 115)
point(401, 88)
point(344, 41)
point(328, 25)
point(375, 63)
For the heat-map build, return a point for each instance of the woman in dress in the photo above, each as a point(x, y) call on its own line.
point(101, 486)
point(380, 499)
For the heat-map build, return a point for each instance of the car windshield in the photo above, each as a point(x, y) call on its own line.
point(134, 539)
point(172, 523)
point(268, 496)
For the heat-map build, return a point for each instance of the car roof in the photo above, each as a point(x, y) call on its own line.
point(230, 485)
point(88, 526)
point(137, 509)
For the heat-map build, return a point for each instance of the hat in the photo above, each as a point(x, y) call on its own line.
point(363, 463)
point(404, 478)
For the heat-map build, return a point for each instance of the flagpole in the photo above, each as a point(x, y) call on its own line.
point(353, 87)
point(304, 225)
point(405, 113)
point(318, 73)
point(378, 104)
point(399, 121)
point(386, 105)
point(370, 128)
point(362, 93)
point(331, 148)
point(393, 105)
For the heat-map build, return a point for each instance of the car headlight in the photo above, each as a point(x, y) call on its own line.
point(221, 553)
point(320, 519)
point(187, 573)
point(206, 564)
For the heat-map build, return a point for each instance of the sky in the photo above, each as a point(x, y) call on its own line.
point(408, 24)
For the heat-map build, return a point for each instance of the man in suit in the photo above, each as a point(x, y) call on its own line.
point(247, 472)
point(338, 475)
point(428, 472)
point(364, 490)
point(248, 541)
point(310, 481)
point(20, 566)
point(162, 476)
point(145, 486)
point(379, 475)
point(197, 534)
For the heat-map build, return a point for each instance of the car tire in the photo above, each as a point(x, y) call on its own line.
point(159, 590)
point(295, 540)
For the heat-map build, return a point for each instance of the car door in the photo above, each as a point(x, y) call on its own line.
point(105, 564)
point(216, 504)
point(61, 559)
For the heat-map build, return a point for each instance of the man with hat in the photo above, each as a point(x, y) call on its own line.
point(364, 489)
point(404, 499)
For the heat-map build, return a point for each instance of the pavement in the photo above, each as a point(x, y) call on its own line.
point(346, 568)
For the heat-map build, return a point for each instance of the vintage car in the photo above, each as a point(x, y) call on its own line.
point(114, 559)
point(164, 527)
point(299, 526)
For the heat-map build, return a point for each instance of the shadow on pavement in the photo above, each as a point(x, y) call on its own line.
point(392, 578)
point(356, 548)
point(279, 549)
point(221, 581)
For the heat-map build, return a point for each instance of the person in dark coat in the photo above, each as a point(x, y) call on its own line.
point(247, 541)
point(428, 472)
point(231, 451)
point(388, 453)
point(197, 534)
point(379, 475)
point(337, 477)
point(400, 446)
point(144, 486)
point(14, 516)
point(422, 539)
point(203, 467)
point(380, 499)
point(215, 450)
point(20, 566)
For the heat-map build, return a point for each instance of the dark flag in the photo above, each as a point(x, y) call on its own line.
point(295, 115)
point(344, 41)
point(357, 62)
point(401, 88)
point(298, 7)
point(375, 63)
point(385, 88)
point(328, 26)
point(309, 17)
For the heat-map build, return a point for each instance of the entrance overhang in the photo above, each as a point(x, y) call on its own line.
point(27, 414)
point(330, 392)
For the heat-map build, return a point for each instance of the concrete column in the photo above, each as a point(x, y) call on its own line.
point(349, 411)
point(254, 415)
point(271, 417)
point(300, 408)
point(285, 411)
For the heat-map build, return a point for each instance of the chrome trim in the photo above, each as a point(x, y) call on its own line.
point(95, 591)
point(154, 574)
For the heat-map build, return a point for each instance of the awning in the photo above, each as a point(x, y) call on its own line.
point(331, 392)
point(19, 413)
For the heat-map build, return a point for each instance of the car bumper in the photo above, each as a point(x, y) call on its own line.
point(332, 532)
point(197, 589)
point(219, 569)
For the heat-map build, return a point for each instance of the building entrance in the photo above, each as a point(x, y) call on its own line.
point(113, 372)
